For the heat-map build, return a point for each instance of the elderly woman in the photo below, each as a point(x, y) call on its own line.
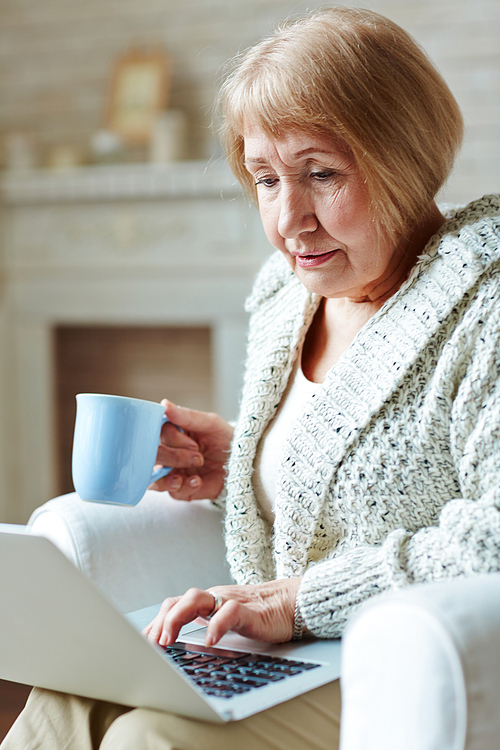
point(367, 451)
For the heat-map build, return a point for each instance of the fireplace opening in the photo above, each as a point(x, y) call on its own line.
point(143, 362)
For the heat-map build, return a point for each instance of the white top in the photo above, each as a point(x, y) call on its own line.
point(268, 455)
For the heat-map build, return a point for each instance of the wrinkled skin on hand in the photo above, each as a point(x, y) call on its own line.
point(198, 452)
point(264, 612)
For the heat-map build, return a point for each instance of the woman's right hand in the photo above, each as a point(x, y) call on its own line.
point(197, 452)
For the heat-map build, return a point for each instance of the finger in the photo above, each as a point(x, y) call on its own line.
point(189, 419)
point(177, 449)
point(179, 458)
point(180, 487)
point(155, 627)
point(172, 436)
point(195, 603)
point(232, 615)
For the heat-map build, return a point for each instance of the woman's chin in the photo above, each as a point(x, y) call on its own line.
point(321, 280)
point(316, 285)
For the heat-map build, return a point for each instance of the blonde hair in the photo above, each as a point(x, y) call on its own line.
point(358, 78)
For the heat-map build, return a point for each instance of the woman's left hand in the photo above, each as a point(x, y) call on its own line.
point(263, 611)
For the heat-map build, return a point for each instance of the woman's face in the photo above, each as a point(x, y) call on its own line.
point(315, 208)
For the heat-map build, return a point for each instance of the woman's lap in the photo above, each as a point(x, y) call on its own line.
point(57, 721)
point(54, 721)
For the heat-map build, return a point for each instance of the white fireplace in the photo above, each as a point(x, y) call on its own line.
point(125, 245)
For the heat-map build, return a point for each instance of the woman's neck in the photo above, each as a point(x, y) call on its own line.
point(334, 327)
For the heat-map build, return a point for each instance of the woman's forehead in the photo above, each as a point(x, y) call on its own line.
point(259, 144)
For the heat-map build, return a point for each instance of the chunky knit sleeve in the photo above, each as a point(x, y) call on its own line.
point(465, 539)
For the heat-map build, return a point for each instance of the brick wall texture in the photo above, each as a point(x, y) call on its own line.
point(56, 57)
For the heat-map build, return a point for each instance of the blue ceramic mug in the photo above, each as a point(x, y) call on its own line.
point(114, 447)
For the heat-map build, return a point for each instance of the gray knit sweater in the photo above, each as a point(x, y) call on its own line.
point(391, 474)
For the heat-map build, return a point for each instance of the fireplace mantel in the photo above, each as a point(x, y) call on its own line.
point(113, 245)
point(188, 179)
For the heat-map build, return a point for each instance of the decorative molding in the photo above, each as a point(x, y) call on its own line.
point(190, 179)
point(199, 235)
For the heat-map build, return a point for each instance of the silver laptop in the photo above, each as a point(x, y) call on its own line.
point(58, 632)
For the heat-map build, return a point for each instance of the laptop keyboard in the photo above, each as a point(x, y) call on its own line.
point(227, 673)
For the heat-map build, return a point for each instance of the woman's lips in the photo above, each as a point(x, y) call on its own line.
point(311, 261)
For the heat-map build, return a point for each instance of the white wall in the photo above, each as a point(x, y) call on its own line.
point(56, 57)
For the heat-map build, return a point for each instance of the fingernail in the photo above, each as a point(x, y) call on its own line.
point(175, 483)
point(194, 482)
point(209, 639)
point(197, 460)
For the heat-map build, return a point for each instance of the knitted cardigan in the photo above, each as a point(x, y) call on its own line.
point(391, 474)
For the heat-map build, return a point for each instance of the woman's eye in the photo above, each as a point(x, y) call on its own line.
point(322, 176)
point(267, 181)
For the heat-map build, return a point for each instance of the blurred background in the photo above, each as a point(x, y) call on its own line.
point(126, 248)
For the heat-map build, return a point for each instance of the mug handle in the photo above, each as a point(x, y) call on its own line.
point(163, 471)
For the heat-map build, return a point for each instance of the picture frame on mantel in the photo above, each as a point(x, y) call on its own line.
point(139, 91)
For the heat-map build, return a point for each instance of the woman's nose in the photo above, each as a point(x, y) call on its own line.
point(296, 213)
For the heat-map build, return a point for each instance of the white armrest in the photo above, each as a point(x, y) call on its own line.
point(421, 669)
point(138, 556)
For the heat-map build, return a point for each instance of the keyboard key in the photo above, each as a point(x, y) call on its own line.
point(203, 659)
point(226, 676)
point(218, 661)
point(193, 670)
point(248, 680)
point(220, 693)
point(286, 670)
point(185, 657)
point(273, 676)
